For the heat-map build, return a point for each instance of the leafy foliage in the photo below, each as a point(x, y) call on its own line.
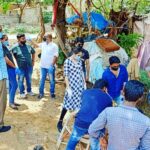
point(5, 6)
point(61, 58)
point(129, 41)
point(47, 2)
point(145, 79)
point(20, 29)
point(47, 16)
point(104, 7)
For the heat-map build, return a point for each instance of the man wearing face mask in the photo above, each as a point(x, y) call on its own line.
point(79, 42)
point(49, 55)
point(25, 57)
point(116, 75)
point(11, 69)
point(5, 40)
point(94, 101)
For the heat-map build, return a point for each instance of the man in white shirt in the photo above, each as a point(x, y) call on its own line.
point(49, 54)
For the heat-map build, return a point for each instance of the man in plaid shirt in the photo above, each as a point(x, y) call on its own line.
point(128, 128)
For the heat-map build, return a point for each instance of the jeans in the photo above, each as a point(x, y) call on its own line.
point(119, 100)
point(27, 74)
point(12, 84)
point(51, 73)
point(75, 137)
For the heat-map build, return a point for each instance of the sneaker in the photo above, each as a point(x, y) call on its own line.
point(5, 128)
point(23, 96)
point(13, 106)
point(40, 96)
point(16, 104)
point(31, 93)
point(59, 126)
point(53, 96)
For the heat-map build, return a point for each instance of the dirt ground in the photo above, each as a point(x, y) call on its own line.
point(35, 121)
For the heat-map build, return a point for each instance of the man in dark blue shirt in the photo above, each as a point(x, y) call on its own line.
point(116, 75)
point(94, 101)
point(25, 57)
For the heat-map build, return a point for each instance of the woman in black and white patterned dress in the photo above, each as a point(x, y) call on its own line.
point(75, 84)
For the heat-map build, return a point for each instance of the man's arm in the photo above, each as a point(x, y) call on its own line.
point(98, 125)
point(54, 61)
point(36, 45)
point(8, 62)
point(126, 75)
point(145, 142)
point(125, 79)
point(55, 55)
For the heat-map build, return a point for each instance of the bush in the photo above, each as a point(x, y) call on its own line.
point(33, 30)
point(145, 79)
point(20, 29)
point(47, 16)
point(61, 58)
point(129, 41)
point(5, 7)
point(6, 29)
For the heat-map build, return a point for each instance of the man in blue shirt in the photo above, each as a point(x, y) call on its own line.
point(116, 75)
point(94, 101)
point(128, 128)
point(3, 91)
point(11, 69)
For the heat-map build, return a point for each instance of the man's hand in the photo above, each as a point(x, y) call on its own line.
point(103, 143)
point(33, 62)
point(87, 78)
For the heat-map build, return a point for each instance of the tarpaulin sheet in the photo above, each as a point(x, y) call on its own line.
point(99, 59)
point(97, 20)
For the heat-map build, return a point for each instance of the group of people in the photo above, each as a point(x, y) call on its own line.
point(122, 127)
point(16, 65)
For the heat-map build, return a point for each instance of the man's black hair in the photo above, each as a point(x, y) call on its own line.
point(3, 36)
point(133, 90)
point(20, 35)
point(79, 39)
point(114, 59)
point(100, 84)
point(76, 50)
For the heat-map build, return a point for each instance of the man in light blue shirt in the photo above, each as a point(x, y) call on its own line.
point(3, 92)
point(128, 128)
